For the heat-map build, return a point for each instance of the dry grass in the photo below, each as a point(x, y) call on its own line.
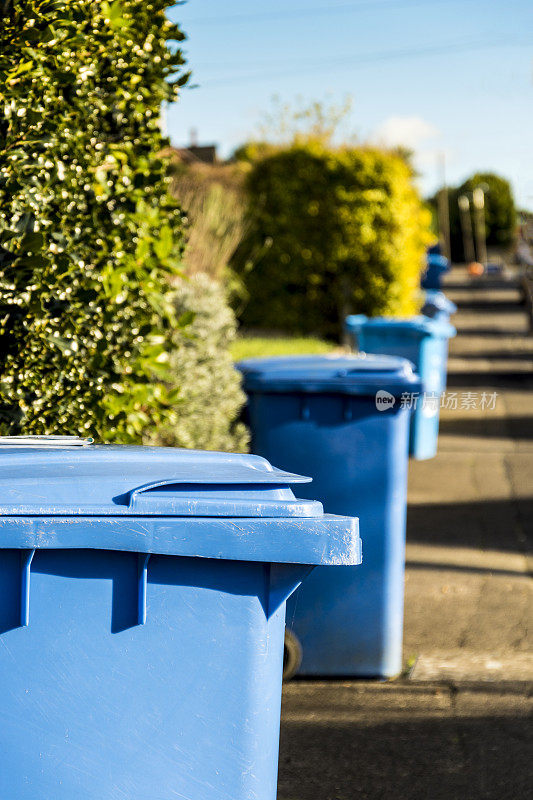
point(213, 199)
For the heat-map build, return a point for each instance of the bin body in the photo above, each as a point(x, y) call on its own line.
point(142, 652)
point(424, 342)
point(438, 306)
point(436, 266)
point(348, 622)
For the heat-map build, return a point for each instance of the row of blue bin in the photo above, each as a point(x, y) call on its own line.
point(144, 591)
point(350, 423)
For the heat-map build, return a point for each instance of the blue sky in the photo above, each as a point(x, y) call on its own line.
point(452, 77)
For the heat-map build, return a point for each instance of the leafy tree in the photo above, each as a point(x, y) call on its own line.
point(285, 124)
point(500, 212)
point(88, 232)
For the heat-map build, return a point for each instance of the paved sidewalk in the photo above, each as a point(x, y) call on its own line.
point(455, 725)
point(469, 594)
point(362, 741)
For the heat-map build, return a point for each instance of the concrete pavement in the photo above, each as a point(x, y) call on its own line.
point(397, 741)
point(456, 724)
point(469, 600)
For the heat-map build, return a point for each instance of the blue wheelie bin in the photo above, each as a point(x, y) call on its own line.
point(438, 306)
point(436, 266)
point(341, 418)
point(424, 342)
point(142, 614)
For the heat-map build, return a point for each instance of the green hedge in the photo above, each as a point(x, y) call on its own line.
point(88, 232)
point(331, 232)
point(208, 387)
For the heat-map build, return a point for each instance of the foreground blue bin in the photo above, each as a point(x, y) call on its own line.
point(436, 267)
point(424, 342)
point(142, 611)
point(438, 306)
point(341, 418)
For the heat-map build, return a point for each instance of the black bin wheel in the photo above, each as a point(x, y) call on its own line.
point(292, 656)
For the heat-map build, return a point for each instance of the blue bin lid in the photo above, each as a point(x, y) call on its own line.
point(41, 476)
point(62, 492)
point(416, 326)
point(438, 300)
point(350, 375)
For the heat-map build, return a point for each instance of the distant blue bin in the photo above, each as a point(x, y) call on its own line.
point(424, 342)
point(144, 661)
point(438, 306)
point(436, 267)
point(324, 413)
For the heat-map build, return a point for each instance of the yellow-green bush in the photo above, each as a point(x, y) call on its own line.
point(330, 232)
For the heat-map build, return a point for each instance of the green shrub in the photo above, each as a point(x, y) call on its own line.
point(88, 232)
point(208, 387)
point(500, 212)
point(331, 232)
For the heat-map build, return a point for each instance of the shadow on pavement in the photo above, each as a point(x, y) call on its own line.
point(470, 570)
point(488, 525)
point(488, 307)
point(499, 427)
point(480, 286)
point(424, 758)
point(503, 379)
point(492, 333)
point(500, 355)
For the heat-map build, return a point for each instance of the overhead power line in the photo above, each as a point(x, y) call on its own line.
point(306, 11)
point(321, 65)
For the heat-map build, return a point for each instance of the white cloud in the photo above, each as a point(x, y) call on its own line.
point(408, 132)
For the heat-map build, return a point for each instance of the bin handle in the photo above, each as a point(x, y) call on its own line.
point(142, 502)
point(134, 494)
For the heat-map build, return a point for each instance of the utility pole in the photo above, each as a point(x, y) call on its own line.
point(478, 199)
point(466, 228)
point(443, 210)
